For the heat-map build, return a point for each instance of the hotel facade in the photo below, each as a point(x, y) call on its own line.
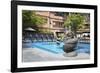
point(55, 21)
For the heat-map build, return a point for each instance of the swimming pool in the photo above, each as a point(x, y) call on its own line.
point(54, 48)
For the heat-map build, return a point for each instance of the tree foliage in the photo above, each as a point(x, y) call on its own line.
point(30, 18)
point(74, 21)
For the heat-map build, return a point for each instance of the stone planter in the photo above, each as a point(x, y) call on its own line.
point(70, 54)
point(69, 47)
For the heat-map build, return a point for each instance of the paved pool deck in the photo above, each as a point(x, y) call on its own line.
point(36, 54)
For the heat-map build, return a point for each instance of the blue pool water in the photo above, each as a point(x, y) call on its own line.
point(54, 48)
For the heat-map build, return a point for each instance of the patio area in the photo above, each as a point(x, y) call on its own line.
point(36, 54)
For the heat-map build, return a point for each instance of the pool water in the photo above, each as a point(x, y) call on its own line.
point(54, 48)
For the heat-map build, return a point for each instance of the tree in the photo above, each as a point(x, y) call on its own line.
point(30, 19)
point(74, 21)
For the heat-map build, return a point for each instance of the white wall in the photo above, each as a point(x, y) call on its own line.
point(5, 36)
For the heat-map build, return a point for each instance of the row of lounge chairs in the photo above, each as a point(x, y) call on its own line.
point(38, 37)
point(84, 40)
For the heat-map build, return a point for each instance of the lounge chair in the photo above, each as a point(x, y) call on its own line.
point(44, 37)
point(34, 38)
point(39, 38)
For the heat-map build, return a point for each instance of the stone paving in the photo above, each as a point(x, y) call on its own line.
point(35, 54)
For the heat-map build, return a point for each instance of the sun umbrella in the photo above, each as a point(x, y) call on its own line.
point(29, 29)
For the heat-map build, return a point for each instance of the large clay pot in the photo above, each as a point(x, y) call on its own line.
point(69, 46)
